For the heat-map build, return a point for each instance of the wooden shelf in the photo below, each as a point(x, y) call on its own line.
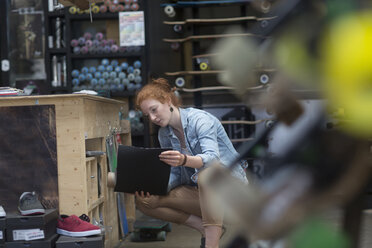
point(96, 203)
point(105, 55)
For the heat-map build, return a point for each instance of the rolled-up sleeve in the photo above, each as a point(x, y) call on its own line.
point(207, 137)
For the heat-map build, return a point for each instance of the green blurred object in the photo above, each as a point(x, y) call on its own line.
point(316, 233)
point(337, 8)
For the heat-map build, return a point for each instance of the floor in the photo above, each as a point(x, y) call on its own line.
point(184, 237)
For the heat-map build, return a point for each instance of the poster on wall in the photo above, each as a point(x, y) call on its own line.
point(132, 28)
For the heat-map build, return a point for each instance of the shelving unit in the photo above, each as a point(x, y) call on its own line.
point(80, 123)
point(70, 28)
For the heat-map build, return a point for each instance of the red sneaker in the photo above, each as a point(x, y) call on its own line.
point(75, 227)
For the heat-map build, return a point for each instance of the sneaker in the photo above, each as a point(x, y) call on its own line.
point(75, 227)
point(29, 204)
point(2, 212)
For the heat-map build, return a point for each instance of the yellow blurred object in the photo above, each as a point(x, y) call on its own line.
point(347, 71)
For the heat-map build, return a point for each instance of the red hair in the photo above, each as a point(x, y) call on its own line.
point(159, 89)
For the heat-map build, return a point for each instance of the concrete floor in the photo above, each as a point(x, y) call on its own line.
point(184, 237)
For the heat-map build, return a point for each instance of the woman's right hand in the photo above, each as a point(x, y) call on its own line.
point(173, 158)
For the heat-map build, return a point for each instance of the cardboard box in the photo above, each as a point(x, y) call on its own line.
point(81, 242)
point(2, 230)
point(46, 222)
point(47, 243)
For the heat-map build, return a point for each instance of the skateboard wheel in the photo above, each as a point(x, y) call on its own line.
point(264, 23)
point(177, 28)
point(135, 237)
point(175, 46)
point(169, 11)
point(76, 50)
point(103, 8)
point(131, 77)
point(82, 77)
point(137, 64)
point(114, 48)
point(120, 8)
point(265, 6)
point(72, 10)
point(161, 236)
point(264, 79)
point(138, 80)
point(74, 42)
point(88, 43)
point(269, 123)
point(87, 36)
point(122, 49)
point(126, 7)
point(84, 70)
point(75, 81)
point(81, 41)
point(134, 7)
point(122, 75)
point(168, 227)
point(75, 73)
point(99, 36)
point(95, 9)
point(130, 49)
point(203, 66)
point(180, 82)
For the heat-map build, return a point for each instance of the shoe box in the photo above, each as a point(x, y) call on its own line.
point(18, 226)
point(81, 242)
point(46, 243)
point(2, 231)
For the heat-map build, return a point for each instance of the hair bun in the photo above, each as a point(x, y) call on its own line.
point(163, 83)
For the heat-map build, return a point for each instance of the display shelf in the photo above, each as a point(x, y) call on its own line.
point(56, 13)
point(94, 16)
point(57, 50)
point(75, 26)
point(105, 55)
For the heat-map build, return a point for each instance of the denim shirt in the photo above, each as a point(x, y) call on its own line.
point(204, 137)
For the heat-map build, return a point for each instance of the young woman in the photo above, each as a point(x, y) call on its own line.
point(198, 139)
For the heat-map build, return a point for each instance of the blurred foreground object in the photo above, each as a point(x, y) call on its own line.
point(347, 71)
point(81, 4)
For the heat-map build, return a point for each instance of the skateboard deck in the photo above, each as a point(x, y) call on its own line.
point(209, 36)
point(179, 73)
point(149, 229)
point(184, 4)
point(214, 88)
point(218, 20)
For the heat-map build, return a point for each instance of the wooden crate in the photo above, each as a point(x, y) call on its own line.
point(82, 123)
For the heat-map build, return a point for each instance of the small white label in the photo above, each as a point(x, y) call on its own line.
point(1, 235)
point(5, 66)
point(28, 234)
point(35, 235)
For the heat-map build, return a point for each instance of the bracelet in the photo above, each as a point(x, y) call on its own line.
point(184, 160)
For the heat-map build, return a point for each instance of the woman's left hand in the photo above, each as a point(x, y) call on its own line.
point(150, 201)
point(173, 158)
